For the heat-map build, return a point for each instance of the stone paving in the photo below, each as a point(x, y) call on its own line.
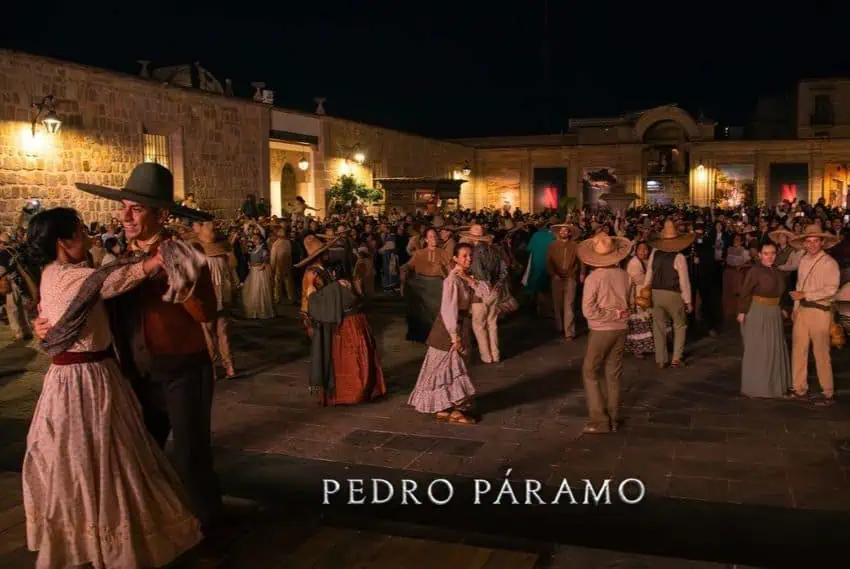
point(729, 479)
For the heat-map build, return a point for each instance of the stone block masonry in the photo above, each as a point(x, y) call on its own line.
point(389, 153)
point(217, 146)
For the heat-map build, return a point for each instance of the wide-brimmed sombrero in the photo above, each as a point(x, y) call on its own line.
point(829, 240)
point(557, 227)
point(149, 184)
point(774, 235)
point(670, 240)
point(314, 248)
point(603, 250)
point(476, 234)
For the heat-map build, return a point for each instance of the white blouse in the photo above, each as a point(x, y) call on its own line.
point(60, 283)
point(457, 296)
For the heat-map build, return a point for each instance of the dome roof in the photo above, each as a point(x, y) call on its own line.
point(182, 75)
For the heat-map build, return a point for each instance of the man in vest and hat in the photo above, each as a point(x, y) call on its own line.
point(605, 304)
point(667, 277)
point(161, 345)
point(818, 279)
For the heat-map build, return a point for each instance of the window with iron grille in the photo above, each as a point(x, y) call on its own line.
point(156, 149)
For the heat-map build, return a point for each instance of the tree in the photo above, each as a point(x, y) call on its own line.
point(567, 204)
point(347, 192)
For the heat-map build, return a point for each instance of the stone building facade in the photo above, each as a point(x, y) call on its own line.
point(389, 153)
point(222, 148)
point(666, 155)
point(216, 146)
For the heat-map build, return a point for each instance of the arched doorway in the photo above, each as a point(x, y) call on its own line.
point(666, 162)
point(288, 186)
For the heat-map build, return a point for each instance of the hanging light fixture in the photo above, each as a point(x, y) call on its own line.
point(51, 121)
point(467, 169)
point(303, 164)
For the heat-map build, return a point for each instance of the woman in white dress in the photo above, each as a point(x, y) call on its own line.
point(257, 294)
point(97, 489)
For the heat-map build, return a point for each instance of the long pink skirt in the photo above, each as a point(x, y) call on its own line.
point(96, 487)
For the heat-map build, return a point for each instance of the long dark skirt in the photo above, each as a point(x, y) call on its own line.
point(422, 296)
point(766, 368)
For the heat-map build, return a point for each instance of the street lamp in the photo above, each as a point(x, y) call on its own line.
point(51, 121)
point(303, 164)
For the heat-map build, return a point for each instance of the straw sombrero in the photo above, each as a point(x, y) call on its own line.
point(314, 248)
point(557, 227)
point(829, 240)
point(670, 240)
point(774, 235)
point(602, 250)
point(213, 244)
point(476, 234)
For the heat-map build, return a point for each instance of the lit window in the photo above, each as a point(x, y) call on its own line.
point(156, 149)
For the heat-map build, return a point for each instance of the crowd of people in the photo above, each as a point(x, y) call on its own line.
point(134, 315)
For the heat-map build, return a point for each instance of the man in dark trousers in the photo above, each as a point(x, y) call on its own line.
point(707, 277)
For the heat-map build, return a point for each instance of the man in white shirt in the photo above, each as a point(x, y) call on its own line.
point(667, 278)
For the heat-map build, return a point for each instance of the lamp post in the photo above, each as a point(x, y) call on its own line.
point(51, 121)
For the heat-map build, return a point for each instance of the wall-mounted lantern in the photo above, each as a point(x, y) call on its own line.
point(303, 164)
point(359, 157)
point(47, 109)
point(467, 169)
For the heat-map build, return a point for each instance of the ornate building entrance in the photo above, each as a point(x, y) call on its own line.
point(666, 163)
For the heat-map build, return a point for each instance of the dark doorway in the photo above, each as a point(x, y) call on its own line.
point(788, 181)
point(550, 188)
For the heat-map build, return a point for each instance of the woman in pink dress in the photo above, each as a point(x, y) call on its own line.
point(97, 490)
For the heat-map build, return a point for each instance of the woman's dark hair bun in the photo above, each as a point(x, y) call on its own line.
point(47, 227)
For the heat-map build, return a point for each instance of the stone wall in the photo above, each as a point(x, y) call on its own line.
point(218, 145)
point(388, 153)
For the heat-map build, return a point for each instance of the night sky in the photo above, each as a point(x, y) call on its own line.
point(463, 68)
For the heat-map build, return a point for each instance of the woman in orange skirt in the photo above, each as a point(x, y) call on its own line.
point(344, 367)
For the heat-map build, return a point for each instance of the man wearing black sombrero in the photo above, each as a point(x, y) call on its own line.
point(161, 345)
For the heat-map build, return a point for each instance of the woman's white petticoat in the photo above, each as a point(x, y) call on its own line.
point(96, 488)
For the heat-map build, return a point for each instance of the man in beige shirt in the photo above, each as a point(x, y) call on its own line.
point(564, 268)
point(605, 305)
point(817, 282)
